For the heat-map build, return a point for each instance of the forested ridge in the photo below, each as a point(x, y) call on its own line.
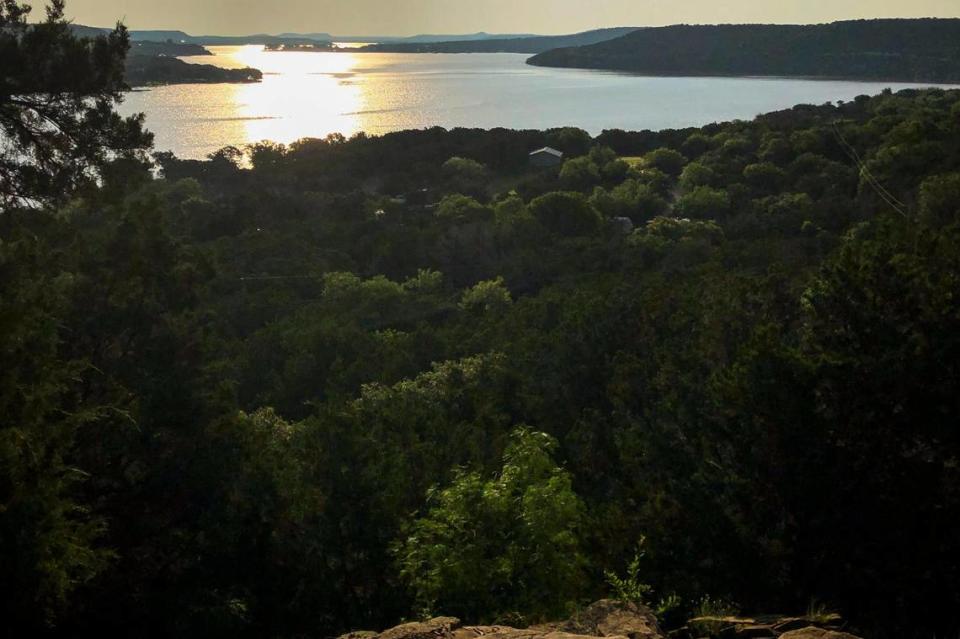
point(521, 44)
point(292, 391)
point(906, 50)
point(145, 70)
point(157, 62)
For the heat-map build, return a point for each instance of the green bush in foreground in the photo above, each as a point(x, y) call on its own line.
point(488, 548)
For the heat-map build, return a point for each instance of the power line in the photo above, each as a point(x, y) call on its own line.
point(884, 194)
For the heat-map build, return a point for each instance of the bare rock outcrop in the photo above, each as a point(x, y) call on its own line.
point(606, 618)
point(437, 628)
point(765, 627)
point(612, 618)
point(813, 632)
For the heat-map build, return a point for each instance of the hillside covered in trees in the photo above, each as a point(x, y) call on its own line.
point(922, 50)
point(292, 391)
point(144, 70)
point(156, 62)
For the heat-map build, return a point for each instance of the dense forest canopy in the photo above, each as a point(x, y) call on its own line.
point(266, 394)
point(58, 127)
point(921, 50)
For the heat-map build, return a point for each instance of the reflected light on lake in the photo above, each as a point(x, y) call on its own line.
point(303, 94)
point(314, 94)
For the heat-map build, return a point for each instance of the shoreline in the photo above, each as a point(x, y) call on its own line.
point(732, 76)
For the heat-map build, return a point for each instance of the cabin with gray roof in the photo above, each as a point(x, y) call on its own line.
point(546, 157)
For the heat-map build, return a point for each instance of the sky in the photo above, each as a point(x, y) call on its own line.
point(408, 17)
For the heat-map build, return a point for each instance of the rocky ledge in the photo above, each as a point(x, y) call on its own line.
point(617, 620)
point(764, 627)
point(606, 618)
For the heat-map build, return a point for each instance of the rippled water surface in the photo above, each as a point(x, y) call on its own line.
point(314, 94)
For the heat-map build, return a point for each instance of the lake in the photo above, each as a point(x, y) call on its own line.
point(315, 94)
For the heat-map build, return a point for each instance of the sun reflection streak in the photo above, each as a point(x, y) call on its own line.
point(303, 94)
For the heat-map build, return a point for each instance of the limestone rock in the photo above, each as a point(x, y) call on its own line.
point(505, 632)
point(763, 627)
point(755, 631)
point(494, 632)
point(612, 618)
point(607, 618)
point(438, 628)
point(786, 624)
point(813, 632)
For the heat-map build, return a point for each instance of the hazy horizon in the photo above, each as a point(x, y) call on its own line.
point(412, 17)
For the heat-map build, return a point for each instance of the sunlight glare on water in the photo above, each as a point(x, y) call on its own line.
point(313, 94)
point(302, 95)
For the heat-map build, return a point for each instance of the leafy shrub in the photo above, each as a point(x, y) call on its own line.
point(462, 208)
point(580, 173)
point(486, 297)
point(629, 589)
point(505, 545)
point(704, 203)
point(667, 160)
point(566, 214)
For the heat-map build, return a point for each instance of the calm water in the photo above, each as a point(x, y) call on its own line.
point(314, 94)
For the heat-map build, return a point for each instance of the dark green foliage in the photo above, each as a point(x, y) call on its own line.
point(268, 401)
point(142, 70)
point(879, 329)
point(631, 199)
point(462, 208)
point(940, 200)
point(486, 549)
point(922, 50)
point(47, 535)
point(669, 161)
point(580, 173)
point(571, 141)
point(704, 203)
point(57, 93)
point(566, 214)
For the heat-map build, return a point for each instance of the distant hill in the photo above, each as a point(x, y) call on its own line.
point(308, 36)
point(419, 39)
point(924, 50)
point(84, 31)
point(156, 62)
point(256, 38)
point(161, 35)
point(531, 44)
point(466, 37)
point(170, 49)
point(313, 47)
point(161, 45)
point(186, 38)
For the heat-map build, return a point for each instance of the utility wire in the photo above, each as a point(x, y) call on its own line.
point(884, 194)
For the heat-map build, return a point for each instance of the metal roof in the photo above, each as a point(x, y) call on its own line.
point(549, 150)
